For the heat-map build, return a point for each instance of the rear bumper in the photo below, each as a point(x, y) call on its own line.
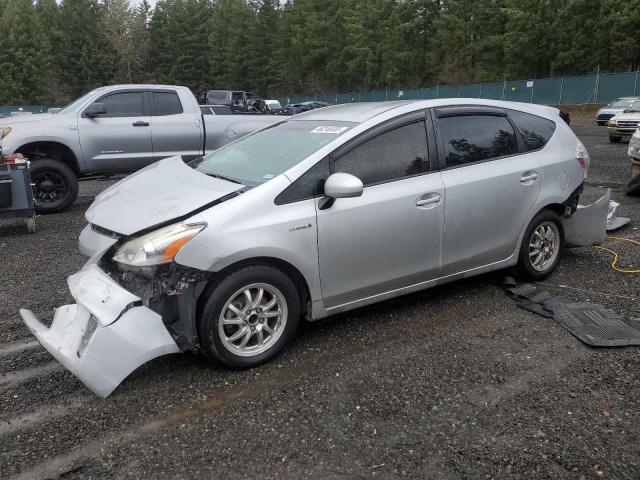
point(102, 338)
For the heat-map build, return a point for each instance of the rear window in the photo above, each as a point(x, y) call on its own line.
point(536, 131)
point(166, 103)
point(475, 138)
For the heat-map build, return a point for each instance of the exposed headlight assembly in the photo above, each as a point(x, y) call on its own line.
point(157, 247)
point(4, 132)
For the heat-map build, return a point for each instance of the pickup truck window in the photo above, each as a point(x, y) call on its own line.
point(258, 157)
point(165, 103)
point(125, 104)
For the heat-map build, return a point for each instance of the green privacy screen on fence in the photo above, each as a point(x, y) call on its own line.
point(28, 109)
point(583, 89)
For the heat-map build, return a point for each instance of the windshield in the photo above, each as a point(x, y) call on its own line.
point(634, 107)
point(76, 103)
point(621, 103)
point(257, 158)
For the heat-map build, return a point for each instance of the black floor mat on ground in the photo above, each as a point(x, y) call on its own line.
point(596, 325)
point(590, 323)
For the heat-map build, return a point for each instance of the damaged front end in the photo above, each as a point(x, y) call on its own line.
point(124, 315)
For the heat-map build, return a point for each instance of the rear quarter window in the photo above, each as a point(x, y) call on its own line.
point(536, 131)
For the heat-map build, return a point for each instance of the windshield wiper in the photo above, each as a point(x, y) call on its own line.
point(215, 175)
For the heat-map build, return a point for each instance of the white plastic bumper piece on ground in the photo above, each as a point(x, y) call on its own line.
point(97, 342)
point(588, 225)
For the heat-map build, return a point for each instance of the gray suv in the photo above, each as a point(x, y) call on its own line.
point(321, 213)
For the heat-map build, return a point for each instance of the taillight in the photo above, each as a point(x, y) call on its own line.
point(582, 156)
point(12, 158)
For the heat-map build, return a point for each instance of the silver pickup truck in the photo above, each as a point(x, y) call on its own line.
point(119, 128)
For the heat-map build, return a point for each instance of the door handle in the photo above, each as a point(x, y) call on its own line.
point(140, 123)
point(529, 178)
point(431, 199)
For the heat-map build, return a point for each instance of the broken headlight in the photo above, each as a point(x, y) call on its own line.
point(157, 247)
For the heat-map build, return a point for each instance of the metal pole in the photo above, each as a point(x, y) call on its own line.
point(459, 91)
point(504, 89)
point(561, 85)
point(437, 90)
point(480, 94)
point(595, 99)
point(533, 85)
point(635, 84)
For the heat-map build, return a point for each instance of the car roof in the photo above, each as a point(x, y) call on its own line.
point(361, 112)
point(350, 112)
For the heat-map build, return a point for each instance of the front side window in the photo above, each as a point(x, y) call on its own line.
point(258, 157)
point(536, 131)
point(474, 138)
point(398, 153)
point(165, 103)
point(125, 104)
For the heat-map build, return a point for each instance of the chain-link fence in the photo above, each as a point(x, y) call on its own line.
point(25, 109)
point(582, 89)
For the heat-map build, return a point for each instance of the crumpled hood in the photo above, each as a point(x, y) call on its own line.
point(162, 191)
point(36, 117)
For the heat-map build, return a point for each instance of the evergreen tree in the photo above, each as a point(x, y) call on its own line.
point(84, 56)
point(22, 56)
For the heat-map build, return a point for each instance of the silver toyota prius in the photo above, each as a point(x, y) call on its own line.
point(321, 213)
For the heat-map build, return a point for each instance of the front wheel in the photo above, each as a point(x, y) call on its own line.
point(249, 317)
point(541, 247)
point(615, 139)
point(55, 185)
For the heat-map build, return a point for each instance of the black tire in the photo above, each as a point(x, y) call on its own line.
point(614, 139)
point(209, 328)
point(525, 267)
point(602, 123)
point(55, 185)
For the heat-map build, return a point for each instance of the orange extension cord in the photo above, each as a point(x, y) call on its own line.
point(614, 263)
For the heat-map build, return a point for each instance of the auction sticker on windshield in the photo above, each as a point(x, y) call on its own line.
point(334, 129)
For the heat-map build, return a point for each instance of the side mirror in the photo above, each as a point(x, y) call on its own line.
point(340, 185)
point(95, 109)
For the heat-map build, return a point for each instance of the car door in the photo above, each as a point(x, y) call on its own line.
point(491, 186)
point(119, 139)
point(390, 237)
point(173, 130)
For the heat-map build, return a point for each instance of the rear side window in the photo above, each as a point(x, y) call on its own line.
point(475, 138)
point(395, 154)
point(536, 131)
point(125, 104)
point(165, 103)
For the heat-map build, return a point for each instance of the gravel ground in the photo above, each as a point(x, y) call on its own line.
point(453, 382)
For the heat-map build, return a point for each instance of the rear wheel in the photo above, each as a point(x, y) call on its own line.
point(541, 247)
point(249, 317)
point(614, 139)
point(55, 185)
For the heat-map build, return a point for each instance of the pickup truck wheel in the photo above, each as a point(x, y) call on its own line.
point(614, 139)
point(55, 185)
point(249, 316)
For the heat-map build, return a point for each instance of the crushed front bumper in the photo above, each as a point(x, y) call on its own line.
point(106, 335)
